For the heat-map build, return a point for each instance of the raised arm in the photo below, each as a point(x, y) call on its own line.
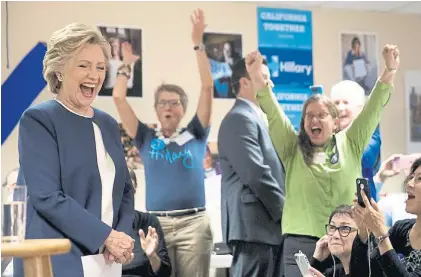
point(281, 130)
point(125, 111)
point(204, 108)
point(241, 147)
point(363, 126)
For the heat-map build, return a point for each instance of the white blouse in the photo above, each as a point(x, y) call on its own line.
point(106, 169)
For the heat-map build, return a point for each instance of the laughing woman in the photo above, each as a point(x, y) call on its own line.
point(72, 161)
point(321, 164)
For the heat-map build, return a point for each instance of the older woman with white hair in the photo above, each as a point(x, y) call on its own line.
point(349, 98)
point(72, 160)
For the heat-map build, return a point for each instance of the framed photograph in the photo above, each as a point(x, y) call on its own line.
point(126, 47)
point(413, 111)
point(359, 54)
point(223, 50)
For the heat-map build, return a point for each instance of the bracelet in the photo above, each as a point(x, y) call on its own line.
point(381, 238)
point(390, 69)
point(199, 47)
point(125, 66)
point(123, 72)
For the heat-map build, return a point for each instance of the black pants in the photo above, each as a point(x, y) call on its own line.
point(292, 245)
point(256, 259)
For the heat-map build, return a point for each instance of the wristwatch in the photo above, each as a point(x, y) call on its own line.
point(125, 70)
point(379, 239)
point(390, 69)
point(200, 47)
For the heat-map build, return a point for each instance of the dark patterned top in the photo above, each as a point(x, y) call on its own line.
point(413, 260)
point(401, 261)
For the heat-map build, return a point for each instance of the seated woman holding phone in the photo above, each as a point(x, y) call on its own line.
point(399, 249)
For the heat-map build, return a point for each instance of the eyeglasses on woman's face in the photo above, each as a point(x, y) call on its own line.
point(170, 103)
point(344, 230)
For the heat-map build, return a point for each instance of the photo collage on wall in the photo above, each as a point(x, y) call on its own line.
point(223, 50)
point(126, 47)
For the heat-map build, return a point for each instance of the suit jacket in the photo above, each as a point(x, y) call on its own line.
point(252, 185)
point(57, 155)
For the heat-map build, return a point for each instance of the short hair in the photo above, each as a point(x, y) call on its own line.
point(64, 44)
point(239, 71)
point(172, 88)
point(350, 91)
point(341, 210)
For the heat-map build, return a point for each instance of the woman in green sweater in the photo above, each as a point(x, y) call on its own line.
point(321, 163)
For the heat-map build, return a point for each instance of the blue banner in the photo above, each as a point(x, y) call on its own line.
point(21, 88)
point(285, 39)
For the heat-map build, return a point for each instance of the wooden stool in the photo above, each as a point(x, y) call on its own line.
point(36, 254)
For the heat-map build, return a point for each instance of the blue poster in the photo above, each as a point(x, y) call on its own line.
point(285, 39)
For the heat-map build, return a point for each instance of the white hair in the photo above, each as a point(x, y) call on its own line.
point(349, 90)
point(64, 44)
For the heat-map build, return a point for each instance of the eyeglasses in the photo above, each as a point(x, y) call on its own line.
point(320, 116)
point(344, 231)
point(170, 103)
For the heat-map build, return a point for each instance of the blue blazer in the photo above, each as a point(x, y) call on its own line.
point(371, 162)
point(57, 156)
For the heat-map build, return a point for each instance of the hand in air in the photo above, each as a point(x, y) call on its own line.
point(149, 243)
point(391, 57)
point(199, 25)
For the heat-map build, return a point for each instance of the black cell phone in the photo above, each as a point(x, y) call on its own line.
point(364, 182)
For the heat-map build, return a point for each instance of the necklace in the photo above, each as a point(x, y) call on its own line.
point(159, 134)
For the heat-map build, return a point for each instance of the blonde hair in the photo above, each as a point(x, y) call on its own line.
point(350, 91)
point(64, 44)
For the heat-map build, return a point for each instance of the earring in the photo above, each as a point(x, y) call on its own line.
point(60, 77)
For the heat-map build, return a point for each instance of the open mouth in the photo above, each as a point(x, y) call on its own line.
point(410, 196)
point(167, 116)
point(87, 89)
point(316, 131)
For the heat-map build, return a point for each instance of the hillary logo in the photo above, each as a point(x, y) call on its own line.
point(160, 152)
point(292, 67)
point(275, 66)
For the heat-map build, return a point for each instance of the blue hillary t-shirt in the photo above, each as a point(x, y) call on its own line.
point(174, 173)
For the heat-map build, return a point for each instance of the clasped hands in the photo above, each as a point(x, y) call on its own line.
point(119, 248)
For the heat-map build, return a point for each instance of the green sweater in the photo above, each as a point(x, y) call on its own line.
point(313, 192)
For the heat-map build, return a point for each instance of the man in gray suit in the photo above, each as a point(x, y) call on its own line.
point(252, 192)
